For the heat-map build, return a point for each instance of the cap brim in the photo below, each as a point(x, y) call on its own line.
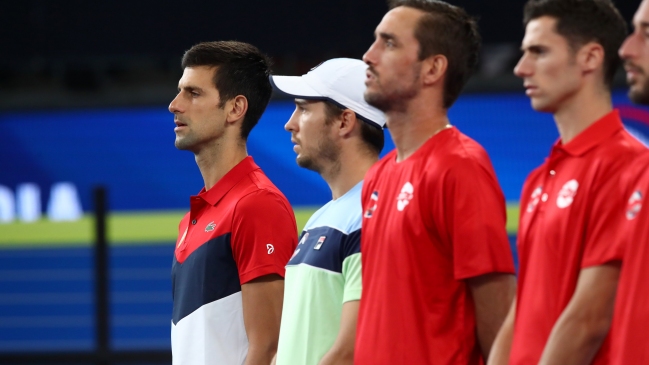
point(294, 86)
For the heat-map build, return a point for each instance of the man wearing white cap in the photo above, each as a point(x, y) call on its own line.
point(338, 135)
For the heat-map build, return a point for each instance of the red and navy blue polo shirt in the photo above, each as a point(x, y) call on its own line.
point(240, 229)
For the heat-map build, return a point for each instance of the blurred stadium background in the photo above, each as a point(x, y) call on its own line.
point(83, 93)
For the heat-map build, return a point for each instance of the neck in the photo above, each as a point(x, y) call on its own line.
point(417, 123)
point(581, 112)
point(218, 159)
point(348, 171)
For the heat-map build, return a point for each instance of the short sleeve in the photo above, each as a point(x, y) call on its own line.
point(352, 275)
point(475, 216)
point(264, 235)
point(606, 219)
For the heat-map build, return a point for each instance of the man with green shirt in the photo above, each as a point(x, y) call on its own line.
point(338, 135)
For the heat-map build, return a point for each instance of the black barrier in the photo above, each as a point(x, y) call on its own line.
point(102, 354)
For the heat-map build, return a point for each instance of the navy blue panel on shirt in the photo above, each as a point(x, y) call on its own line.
point(208, 274)
point(352, 244)
point(325, 248)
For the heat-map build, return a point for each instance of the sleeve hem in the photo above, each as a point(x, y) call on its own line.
point(351, 295)
point(499, 270)
point(261, 271)
point(592, 263)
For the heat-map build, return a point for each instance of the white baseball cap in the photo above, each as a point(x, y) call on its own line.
point(339, 80)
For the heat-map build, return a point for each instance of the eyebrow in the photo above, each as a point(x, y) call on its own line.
point(387, 36)
point(190, 88)
point(301, 102)
point(534, 48)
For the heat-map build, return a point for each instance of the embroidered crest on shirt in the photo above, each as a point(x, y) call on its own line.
point(567, 194)
point(320, 242)
point(210, 227)
point(374, 201)
point(634, 205)
point(405, 196)
point(534, 199)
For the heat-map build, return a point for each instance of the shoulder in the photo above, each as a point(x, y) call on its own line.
point(617, 154)
point(344, 214)
point(382, 165)
point(258, 198)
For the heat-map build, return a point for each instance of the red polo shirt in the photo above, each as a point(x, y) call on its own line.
point(240, 229)
point(631, 319)
point(569, 206)
point(430, 222)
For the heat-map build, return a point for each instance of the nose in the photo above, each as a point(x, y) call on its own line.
point(291, 125)
point(523, 68)
point(629, 47)
point(174, 105)
point(370, 55)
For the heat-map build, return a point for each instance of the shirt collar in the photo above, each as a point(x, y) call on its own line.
point(592, 136)
point(227, 182)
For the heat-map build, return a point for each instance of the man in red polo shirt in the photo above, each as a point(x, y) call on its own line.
point(437, 268)
point(569, 262)
point(631, 319)
point(240, 231)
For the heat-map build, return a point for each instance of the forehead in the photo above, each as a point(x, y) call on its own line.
point(199, 76)
point(642, 15)
point(401, 22)
point(542, 31)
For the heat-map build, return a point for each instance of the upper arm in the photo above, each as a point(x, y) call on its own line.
point(348, 320)
point(262, 300)
point(264, 235)
point(493, 288)
point(594, 296)
point(492, 297)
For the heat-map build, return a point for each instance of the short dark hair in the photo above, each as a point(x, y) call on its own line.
point(241, 69)
point(583, 21)
point(372, 135)
point(447, 30)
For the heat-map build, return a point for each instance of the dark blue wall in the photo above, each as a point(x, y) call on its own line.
point(131, 150)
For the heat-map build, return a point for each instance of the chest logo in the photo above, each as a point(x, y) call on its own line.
point(534, 199)
point(270, 248)
point(320, 242)
point(405, 196)
point(634, 205)
point(374, 200)
point(567, 194)
point(210, 227)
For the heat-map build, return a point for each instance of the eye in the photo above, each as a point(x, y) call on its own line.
point(389, 43)
point(194, 94)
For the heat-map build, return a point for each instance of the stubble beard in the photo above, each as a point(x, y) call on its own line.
point(326, 152)
point(640, 93)
point(396, 99)
point(185, 143)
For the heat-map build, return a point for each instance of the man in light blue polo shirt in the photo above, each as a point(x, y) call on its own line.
point(338, 135)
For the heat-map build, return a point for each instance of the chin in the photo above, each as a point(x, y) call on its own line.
point(543, 106)
point(639, 95)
